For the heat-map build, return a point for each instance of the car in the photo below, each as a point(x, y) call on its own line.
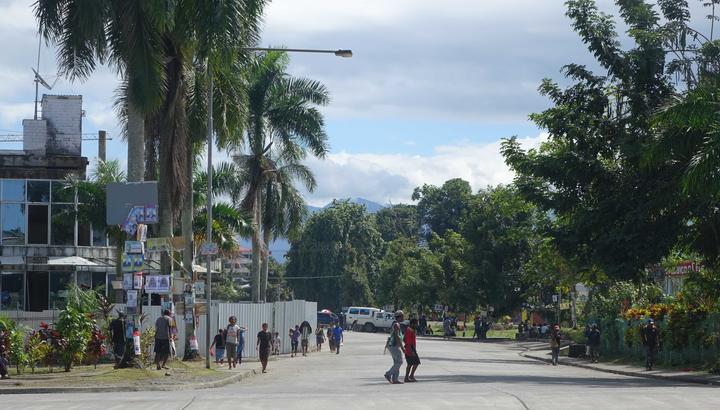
point(369, 319)
point(327, 318)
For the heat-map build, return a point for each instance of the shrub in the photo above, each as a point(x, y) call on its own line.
point(147, 339)
point(76, 328)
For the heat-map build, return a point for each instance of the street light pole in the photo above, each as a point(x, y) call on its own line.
point(208, 285)
point(208, 276)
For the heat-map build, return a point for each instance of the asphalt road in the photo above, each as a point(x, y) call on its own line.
point(453, 375)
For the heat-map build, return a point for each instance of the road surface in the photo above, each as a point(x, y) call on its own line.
point(453, 375)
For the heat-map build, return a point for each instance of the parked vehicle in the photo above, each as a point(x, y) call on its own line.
point(368, 319)
point(327, 318)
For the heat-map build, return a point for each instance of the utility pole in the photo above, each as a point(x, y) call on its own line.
point(208, 277)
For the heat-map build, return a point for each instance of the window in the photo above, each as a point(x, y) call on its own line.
point(84, 280)
point(83, 233)
point(62, 192)
point(99, 237)
point(59, 282)
point(379, 316)
point(13, 190)
point(353, 311)
point(63, 225)
point(99, 282)
point(38, 191)
point(38, 224)
point(12, 295)
point(364, 312)
point(13, 224)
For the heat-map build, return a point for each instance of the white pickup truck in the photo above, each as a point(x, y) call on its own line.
point(369, 319)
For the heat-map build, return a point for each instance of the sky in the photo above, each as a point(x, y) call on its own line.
point(432, 89)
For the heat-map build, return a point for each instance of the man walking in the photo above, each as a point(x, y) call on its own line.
point(338, 338)
point(117, 333)
point(651, 341)
point(305, 333)
point(294, 334)
point(411, 355)
point(593, 339)
point(395, 345)
point(232, 334)
point(264, 340)
point(162, 339)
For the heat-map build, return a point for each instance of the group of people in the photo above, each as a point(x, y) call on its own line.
point(333, 335)
point(402, 342)
point(230, 343)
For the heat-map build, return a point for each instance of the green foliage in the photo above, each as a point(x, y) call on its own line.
point(610, 300)
point(76, 326)
point(398, 221)
point(12, 343)
point(341, 246)
point(37, 349)
point(444, 208)
point(147, 339)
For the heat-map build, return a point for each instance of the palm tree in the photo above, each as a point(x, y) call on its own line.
point(282, 123)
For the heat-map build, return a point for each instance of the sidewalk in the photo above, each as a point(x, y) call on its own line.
point(87, 379)
point(534, 351)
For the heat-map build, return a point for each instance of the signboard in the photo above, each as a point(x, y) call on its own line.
point(208, 248)
point(123, 197)
point(439, 307)
point(555, 298)
point(133, 247)
point(138, 280)
point(154, 245)
point(189, 300)
point(127, 281)
point(142, 233)
point(157, 284)
point(131, 299)
point(133, 262)
point(199, 288)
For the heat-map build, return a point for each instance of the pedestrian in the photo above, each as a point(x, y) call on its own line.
point(423, 325)
point(586, 334)
point(232, 332)
point(264, 340)
point(338, 336)
point(319, 337)
point(394, 344)
point(3, 359)
point(331, 338)
point(305, 333)
point(294, 334)
point(555, 344)
point(411, 355)
point(162, 339)
point(651, 341)
point(594, 343)
point(478, 328)
point(241, 344)
point(219, 345)
point(117, 335)
point(276, 344)
point(447, 328)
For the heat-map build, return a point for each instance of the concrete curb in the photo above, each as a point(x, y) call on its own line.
point(465, 339)
point(179, 387)
point(693, 380)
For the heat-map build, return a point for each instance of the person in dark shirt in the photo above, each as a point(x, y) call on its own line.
point(593, 338)
point(411, 355)
point(219, 345)
point(117, 330)
point(264, 339)
point(651, 341)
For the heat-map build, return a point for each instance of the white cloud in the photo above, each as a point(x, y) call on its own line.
point(392, 177)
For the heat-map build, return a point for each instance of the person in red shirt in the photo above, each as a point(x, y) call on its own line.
point(411, 356)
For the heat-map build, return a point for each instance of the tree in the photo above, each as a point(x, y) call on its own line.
point(398, 221)
point(592, 173)
point(442, 208)
point(335, 259)
point(283, 125)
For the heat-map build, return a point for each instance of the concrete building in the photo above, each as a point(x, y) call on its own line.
point(238, 264)
point(42, 250)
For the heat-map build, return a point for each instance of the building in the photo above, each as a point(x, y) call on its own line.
point(238, 264)
point(42, 250)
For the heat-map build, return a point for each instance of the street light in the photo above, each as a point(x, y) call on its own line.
point(208, 278)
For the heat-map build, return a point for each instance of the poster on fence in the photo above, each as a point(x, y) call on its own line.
point(157, 284)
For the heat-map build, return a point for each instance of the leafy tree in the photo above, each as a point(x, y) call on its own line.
point(442, 208)
point(398, 221)
point(336, 256)
point(591, 173)
point(399, 263)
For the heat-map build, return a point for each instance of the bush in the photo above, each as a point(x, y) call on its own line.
point(147, 340)
point(13, 343)
point(76, 327)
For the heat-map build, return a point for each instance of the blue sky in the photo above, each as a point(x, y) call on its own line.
point(431, 90)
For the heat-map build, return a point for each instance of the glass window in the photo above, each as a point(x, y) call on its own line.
point(38, 191)
point(38, 224)
point(13, 190)
point(62, 192)
point(59, 282)
point(12, 295)
point(83, 235)
point(99, 282)
point(99, 237)
point(63, 225)
point(13, 224)
point(364, 312)
point(353, 311)
point(84, 280)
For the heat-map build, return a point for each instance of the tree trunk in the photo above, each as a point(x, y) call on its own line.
point(265, 265)
point(186, 221)
point(136, 144)
point(256, 248)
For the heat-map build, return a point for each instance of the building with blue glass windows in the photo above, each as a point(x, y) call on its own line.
point(42, 248)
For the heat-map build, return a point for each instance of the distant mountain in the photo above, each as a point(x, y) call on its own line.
point(371, 206)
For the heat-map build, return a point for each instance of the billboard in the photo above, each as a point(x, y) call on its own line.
point(123, 197)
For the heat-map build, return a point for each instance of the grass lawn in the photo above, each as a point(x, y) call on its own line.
point(470, 331)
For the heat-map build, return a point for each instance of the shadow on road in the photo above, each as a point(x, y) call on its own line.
point(499, 361)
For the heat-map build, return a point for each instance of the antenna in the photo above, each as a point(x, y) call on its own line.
point(39, 80)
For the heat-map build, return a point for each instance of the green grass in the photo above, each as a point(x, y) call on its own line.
point(470, 331)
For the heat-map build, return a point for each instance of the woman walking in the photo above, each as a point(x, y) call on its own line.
point(331, 338)
point(395, 346)
point(411, 356)
point(319, 337)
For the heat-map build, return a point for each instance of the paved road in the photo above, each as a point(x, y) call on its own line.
point(453, 375)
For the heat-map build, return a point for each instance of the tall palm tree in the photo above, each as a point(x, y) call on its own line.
point(282, 122)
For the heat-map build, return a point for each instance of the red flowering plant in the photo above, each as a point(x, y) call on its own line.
point(96, 346)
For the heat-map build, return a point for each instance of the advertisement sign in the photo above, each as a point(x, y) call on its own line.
point(131, 299)
point(127, 281)
point(199, 288)
point(142, 233)
point(157, 284)
point(208, 248)
point(133, 262)
point(133, 247)
point(138, 281)
point(439, 307)
point(158, 245)
point(151, 214)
